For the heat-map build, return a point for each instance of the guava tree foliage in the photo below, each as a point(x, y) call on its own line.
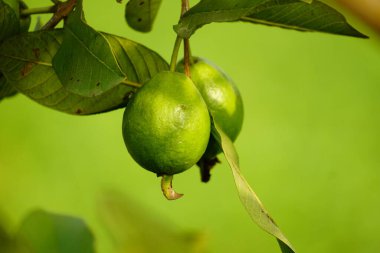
point(81, 71)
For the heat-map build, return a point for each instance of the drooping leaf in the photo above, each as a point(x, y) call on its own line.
point(26, 62)
point(140, 14)
point(10, 21)
point(292, 14)
point(6, 90)
point(248, 197)
point(45, 232)
point(207, 11)
point(85, 55)
point(136, 229)
point(298, 15)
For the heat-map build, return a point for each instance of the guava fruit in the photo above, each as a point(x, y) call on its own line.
point(166, 124)
point(222, 97)
point(223, 100)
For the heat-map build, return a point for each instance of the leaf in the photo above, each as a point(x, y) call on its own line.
point(39, 24)
point(26, 62)
point(137, 229)
point(207, 11)
point(45, 232)
point(24, 20)
point(5, 240)
point(6, 90)
point(297, 15)
point(85, 55)
point(10, 21)
point(247, 196)
point(140, 14)
point(291, 14)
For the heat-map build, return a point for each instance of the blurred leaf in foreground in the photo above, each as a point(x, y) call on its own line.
point(43, 232)
point(135, 229)
point(5, 240)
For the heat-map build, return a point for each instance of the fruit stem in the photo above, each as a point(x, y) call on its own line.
point(40, 10)
point(186, 57)
point(167, 188)
point(131, 84)
point(176, 47)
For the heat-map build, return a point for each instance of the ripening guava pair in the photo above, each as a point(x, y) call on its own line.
point(167, 122)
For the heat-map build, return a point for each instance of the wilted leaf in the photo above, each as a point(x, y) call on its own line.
point(43, 232)
point(248, 197)
point(140, 14)
point(26, 62)
point(85, 63)
point(298, 15)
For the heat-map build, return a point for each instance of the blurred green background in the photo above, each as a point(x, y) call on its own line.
point(310, 144)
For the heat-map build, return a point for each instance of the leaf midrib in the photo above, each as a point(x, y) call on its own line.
point(94, 55)
point(27, 60)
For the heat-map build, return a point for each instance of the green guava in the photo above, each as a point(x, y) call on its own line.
point(224, 102)
point(222, 97)
point(166, 124)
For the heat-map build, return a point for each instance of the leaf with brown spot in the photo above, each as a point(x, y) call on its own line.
point(38, 80)
point(140, 14)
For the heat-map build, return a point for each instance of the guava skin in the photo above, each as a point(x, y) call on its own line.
point(222, 97)
point(166, 124)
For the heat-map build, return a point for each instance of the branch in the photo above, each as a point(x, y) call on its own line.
point(63, 10)
point(41, 10)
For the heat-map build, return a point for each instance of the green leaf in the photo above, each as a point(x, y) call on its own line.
point(10, 21)
point(6, 90)
point(26, 62)
point(138, 62)
point(297, 15)
point(14, 5)
point(137, 229)
point(248, 197)
point(5, 240)
point(291, 14)
point(24, 20)
point(207, 11)
point(140, 14)
point(45, 232)
point(85, 63)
